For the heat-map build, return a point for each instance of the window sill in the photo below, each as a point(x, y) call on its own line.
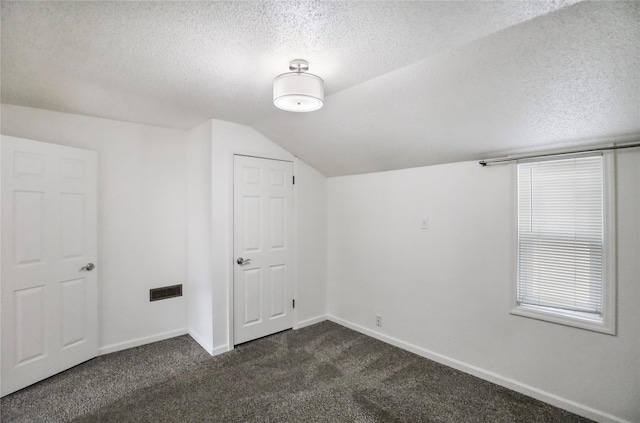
point(567, 318)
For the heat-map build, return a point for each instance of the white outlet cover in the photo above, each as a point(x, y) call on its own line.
point(424, 222)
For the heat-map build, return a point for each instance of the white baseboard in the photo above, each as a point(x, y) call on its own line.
point(220, 350)
point(200, 340)
point(555, 400)
point(141, 341)
point(208, 347)
point(312, 321)
point(225, 348)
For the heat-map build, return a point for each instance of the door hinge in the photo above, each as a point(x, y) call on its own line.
point(294, 179)
point(294, 303)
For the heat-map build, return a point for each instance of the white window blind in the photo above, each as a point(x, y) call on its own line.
point(561, 234)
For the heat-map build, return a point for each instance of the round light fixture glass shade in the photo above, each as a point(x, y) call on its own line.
point(298, 92)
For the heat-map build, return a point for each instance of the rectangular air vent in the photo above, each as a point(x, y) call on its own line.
point(165, 292)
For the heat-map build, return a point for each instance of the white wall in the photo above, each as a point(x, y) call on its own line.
point(445, 292)
point(146, 195)
point(311, 243)
point(210, 239)
point(229, 139)
point(199, 234)
point(141, 217)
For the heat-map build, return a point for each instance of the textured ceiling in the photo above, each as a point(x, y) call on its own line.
point(407, 83)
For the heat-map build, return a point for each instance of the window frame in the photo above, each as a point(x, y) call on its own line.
point(607, 323)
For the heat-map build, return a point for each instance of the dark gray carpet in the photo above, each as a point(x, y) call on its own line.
point(322, 373)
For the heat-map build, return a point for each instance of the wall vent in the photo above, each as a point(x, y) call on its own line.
point(165, 292)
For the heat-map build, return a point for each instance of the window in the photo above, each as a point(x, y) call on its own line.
point(566, 248)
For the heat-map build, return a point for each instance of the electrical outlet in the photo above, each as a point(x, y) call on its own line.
point(379, 321)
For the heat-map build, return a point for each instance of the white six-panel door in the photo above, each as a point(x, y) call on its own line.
point(48, 227)
point(263, 240)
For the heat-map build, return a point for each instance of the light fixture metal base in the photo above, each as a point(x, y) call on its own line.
point(299, 65)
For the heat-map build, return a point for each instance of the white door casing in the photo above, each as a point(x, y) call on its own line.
point(49, 232)
point(263, 238)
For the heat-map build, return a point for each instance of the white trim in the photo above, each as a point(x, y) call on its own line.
point(514, 385)
point(230, 247)
point(566, 318)
point(610, 255)
point(220, 350)
point(294, 255)
point(201, 341)
point(312, 321)
point(208, 348)
point(607, 323)
point(141, 341)
point(230, 201)
point(272, 155)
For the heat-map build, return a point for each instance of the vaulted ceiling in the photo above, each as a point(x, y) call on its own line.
point(407, 83)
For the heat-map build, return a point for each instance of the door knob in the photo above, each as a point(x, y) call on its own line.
point(242, 261)
point(89, 267)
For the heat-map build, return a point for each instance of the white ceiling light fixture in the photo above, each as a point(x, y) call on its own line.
point(298, 91)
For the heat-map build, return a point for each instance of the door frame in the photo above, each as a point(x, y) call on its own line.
point(230, 234)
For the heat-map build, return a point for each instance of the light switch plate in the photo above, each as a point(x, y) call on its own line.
point(424, 222)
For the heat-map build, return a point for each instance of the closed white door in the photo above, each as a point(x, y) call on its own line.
point(263, 247)
point(49, 289)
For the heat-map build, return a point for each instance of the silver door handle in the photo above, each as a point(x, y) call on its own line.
point(242, 261)
point(89, 267)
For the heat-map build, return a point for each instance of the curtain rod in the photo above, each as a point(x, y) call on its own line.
point(562, 153)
